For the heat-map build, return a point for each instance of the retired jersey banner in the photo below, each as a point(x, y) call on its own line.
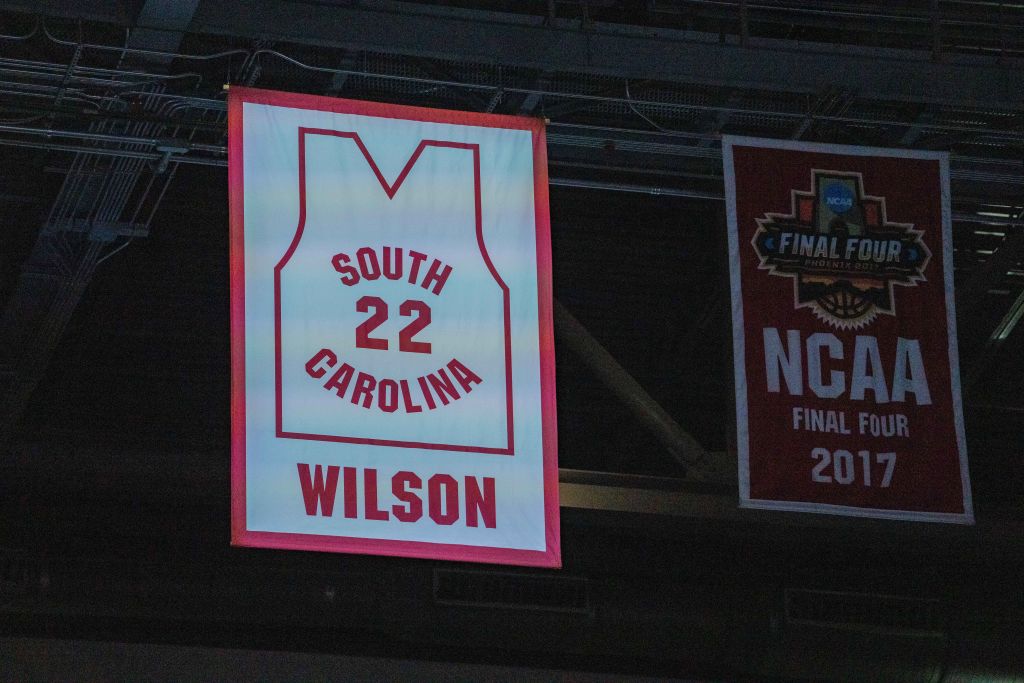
point(844, 332)
point(393, 373)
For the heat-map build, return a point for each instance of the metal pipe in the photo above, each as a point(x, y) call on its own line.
point(35, 30)
point(101, 137)
point(82, 98)
point(696, 135)
point(642, 189)
point(142, 51)
point(958, 173)
point(91, 70)
point(124, 183)
point(81, 135)
point(95, 80)
point(80, 149)
point(563, 182)
point(844, 11)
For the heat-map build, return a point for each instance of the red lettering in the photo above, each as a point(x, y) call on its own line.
point(405, 336)
point(387, 395)
point(392, 263)
point(350, 275)
point(480, 502)
point(363, 390)
point(340, 379)
point(443, 385)
point(450, 514)
point(363, 330)
point(413, 508)
point(373, 511)
point(315, 491)
point(426, 393)
point(417, 259)
point(410, 407)
point(313, 368)
point(319, 492)
point(463, 375)
point(349, 476)
point(368, 263)
point(437, 278)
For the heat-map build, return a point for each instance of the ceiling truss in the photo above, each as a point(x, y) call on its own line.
point(629, 109)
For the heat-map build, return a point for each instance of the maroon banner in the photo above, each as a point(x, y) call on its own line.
point(844, 332)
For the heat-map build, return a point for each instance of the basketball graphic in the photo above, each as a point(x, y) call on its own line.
point(844, 304)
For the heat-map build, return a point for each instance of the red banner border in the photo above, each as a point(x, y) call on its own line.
point(240, 534)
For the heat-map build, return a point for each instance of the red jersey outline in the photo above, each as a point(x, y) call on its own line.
point(391, 190)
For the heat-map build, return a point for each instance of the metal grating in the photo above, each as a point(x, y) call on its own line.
point(511, 590)
point(865, 612)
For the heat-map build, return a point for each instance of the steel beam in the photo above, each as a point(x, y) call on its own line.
point(107, 11)
point(980, 364)
point(991, 272)
point(162, 24)
point(621, 51)
point(683, 447)
point(72, 241)
point(970, 295)
point(531, 100)
point(602, 49)
point(914, 132)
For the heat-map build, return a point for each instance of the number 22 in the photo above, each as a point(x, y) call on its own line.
point(380, 315)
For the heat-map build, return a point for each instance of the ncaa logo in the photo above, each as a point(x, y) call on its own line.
point(843, 253)
point(839, 198)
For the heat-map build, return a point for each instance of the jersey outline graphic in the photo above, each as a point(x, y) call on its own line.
point(391, 189)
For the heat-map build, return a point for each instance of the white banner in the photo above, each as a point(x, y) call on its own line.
point(393, 371)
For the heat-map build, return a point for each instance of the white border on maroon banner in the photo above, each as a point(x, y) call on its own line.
point(739, 341)
point(738, 338)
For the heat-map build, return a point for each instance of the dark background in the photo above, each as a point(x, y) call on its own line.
point(114, 375)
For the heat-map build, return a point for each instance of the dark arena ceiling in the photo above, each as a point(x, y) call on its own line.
point(114, 349)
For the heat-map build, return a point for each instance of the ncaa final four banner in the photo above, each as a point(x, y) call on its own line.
point(844, 332)
point(393, 372)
